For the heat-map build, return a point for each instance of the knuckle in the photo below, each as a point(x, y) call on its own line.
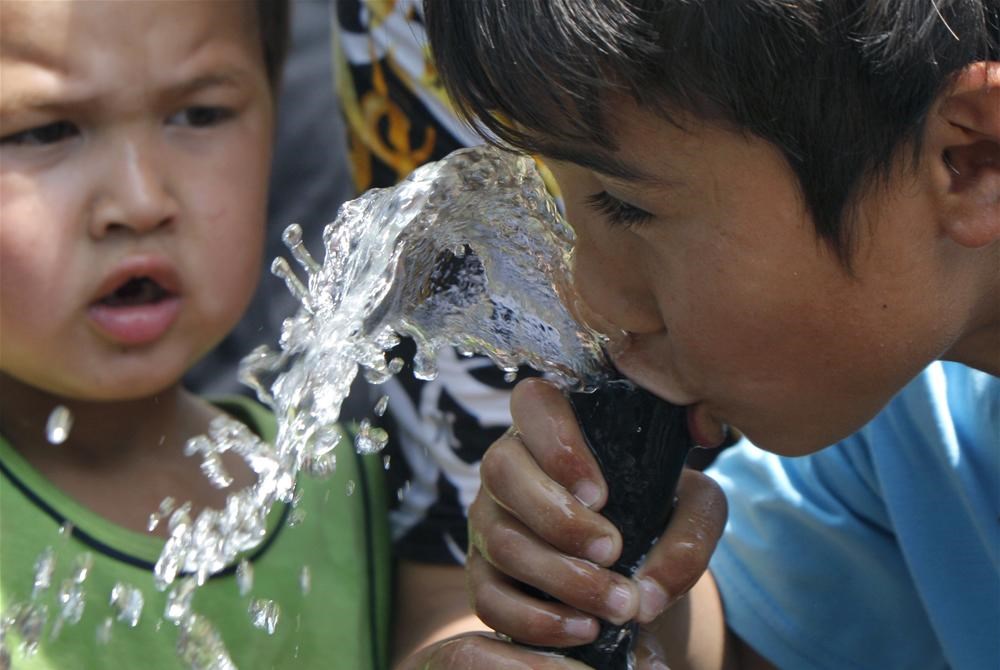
point(493, 466)
point(541, 625)
point(501, 545)
point(688, 561)
point(461, 653)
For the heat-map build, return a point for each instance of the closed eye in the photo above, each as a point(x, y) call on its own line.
point(618, 212)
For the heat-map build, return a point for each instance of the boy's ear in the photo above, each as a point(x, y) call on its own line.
point(963, 139)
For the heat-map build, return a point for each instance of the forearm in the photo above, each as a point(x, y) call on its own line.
point(431, 605)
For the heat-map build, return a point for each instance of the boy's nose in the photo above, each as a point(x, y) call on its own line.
point(610, 281)
point(135, 194)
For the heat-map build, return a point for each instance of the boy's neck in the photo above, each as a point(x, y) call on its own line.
point(100, 430)
point(120, 458)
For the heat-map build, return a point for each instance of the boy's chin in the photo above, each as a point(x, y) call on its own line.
point(795, 441)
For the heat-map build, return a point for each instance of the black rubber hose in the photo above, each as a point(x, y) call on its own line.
point(640, 442)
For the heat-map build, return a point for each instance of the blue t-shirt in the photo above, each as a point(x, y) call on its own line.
point(882, 551)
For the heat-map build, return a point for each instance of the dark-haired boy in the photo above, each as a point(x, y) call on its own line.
point(792, 210)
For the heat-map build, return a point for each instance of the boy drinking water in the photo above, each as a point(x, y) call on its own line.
point(792, 213)
point(134, 147)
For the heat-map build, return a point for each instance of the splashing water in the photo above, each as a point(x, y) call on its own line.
point(58, 425)
point(469, 252)
point(127, 602)
point(264, 614)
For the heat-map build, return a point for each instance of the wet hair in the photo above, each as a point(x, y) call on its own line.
point(273, 26)
point(839, 86)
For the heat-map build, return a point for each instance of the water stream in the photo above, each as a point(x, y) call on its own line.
point(469, 252)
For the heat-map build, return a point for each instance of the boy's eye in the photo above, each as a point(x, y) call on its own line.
point(50, 133)
point(618, 213)
point(201, 116)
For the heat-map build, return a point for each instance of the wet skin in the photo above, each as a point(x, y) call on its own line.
point(695, 243)
point(731, 303)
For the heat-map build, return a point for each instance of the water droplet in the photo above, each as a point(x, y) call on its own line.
point(370, 439)
point(396, 365)
point(59, 423)
point(381, 405)
point(29, 620)
point(71, 602)
point(320, 466)
point(81, 567)
point(104, 631)
point(402, 491)
point(296, 517)
point(167, 506)
point(201, 647)
point(292, 237)
point(305, 580)
point(264, 614)
point(178, 605)
point(127, 602)
point(244, 576)
point(510, 377)
point(281, 268)
point(45, 565)
point(350, 487)
point(385, 461)
point(180, 519)
point(215, 471)
point(66, 530)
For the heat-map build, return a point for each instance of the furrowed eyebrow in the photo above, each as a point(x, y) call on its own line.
point(61, 102)
point(228, 79)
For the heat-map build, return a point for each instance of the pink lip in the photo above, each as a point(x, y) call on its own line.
point(705, 431)
point(135, 325)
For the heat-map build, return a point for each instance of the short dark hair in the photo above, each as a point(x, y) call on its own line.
point(839, 86)
point(273, 26)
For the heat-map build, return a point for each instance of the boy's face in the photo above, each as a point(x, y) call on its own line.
point(734, 305)
point(133, 172)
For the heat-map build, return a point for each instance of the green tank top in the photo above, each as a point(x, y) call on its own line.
point(326, 569)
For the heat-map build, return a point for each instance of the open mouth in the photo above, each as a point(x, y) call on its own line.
point(136, 291)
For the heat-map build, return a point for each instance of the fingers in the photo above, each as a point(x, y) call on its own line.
point(550, 430)
point(533, 473)
point(512, 478)
point(503, 606)
point(681, 555)
point(516, 552)
point(479, 650)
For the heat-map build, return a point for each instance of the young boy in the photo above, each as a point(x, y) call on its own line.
point(134, 148)
point(792, 211)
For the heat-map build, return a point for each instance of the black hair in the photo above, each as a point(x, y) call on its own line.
point(839, 86)
point(273, 26)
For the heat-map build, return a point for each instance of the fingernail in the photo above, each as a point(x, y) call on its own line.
point(587, 492)
point(652, 600)
point(601, 550)
point(583, 628)
point(620, 600)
